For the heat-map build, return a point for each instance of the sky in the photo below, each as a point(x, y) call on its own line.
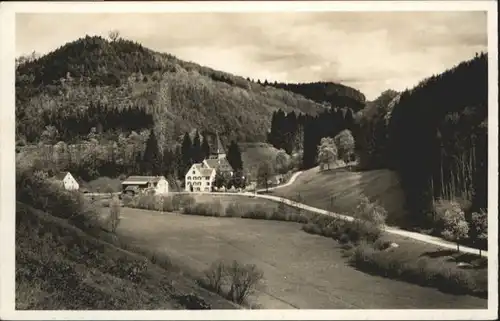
point(370, 51)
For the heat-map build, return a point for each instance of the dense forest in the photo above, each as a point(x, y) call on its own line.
point(125, 79)
point(294, 133)
point(435, 137)
point(336, 95)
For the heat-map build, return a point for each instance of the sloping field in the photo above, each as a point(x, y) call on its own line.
point(60, 267)
point(253, 154)
point(300, 270)
point(338, 190)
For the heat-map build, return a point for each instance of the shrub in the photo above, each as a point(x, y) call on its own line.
point(258, 212)
point(215, 276)
point(235, 281)
point(35, 189)
point(456, 227)
point(235, 210)
point(204, 209)
point(185, 200)
point(479, 229)
point(243, 281)
point(370, 212)
point(385, 263)
point(354, 231)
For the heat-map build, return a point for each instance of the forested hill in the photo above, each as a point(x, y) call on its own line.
point(437, 137)
point(120, 86)
point(337, 95)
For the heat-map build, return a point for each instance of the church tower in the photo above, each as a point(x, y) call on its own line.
point(218, 150)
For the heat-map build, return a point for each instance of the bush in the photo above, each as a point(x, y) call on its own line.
point(259, 212)
point(235, 210)
point(456, 227)
point(156, 202)
point(234, 281)
point(367, 258)
point(215, 276)
point(34, 188)
point(370, 212)
point(205, 209)
point(479, 229)
point(355, 231)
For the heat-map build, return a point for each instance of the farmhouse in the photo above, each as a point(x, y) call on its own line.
point(201, 176)
point(67, 181)
point(136, 184)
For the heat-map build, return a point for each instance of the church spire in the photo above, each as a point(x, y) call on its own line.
point(219, 148)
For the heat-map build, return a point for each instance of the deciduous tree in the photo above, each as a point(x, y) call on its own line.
point(327, 152)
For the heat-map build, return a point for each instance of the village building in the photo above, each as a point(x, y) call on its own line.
point(201, 176)
point(67, 181)
point(138, 184)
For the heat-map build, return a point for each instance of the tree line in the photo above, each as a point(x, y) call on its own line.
point(304, 132)
point(435, 137)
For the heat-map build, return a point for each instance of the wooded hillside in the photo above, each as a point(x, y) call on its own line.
point(120, 85)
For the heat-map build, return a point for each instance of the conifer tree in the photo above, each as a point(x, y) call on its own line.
point(234, 156)
point(186, 154)
point(152, 160)
point(205, 147)
point(196, 150)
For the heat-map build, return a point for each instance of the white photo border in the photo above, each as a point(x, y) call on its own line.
point(8, 11)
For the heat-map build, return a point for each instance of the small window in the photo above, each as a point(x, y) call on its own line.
point(189, 178)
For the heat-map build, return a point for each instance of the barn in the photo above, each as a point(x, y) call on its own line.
point(136, 184)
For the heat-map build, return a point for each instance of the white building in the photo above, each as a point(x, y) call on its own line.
point(158, 184)
point(67, 181)
point(201, 176)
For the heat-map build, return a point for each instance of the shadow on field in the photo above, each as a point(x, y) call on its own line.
point(474, 260)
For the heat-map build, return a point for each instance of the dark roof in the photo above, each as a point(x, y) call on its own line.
point(142, 179)
point(219, 164)
point(61, 175)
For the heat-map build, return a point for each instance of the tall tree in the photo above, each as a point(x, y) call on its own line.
point(282, 161)
point(152, 159)
point(196, 148)
point(264, 173)
point(234, 156)
point(205, 147)
point(327, 152)
point(186, 154)
point(345, 144)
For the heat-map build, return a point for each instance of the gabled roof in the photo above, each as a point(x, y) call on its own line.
point(219, 164)
point(142, 179)
point(203, 170)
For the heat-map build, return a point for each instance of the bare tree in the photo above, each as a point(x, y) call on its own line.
point(114, 35)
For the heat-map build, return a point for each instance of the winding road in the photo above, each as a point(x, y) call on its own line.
point(392, 230)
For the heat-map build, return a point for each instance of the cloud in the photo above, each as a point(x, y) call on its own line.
point(371, 51)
